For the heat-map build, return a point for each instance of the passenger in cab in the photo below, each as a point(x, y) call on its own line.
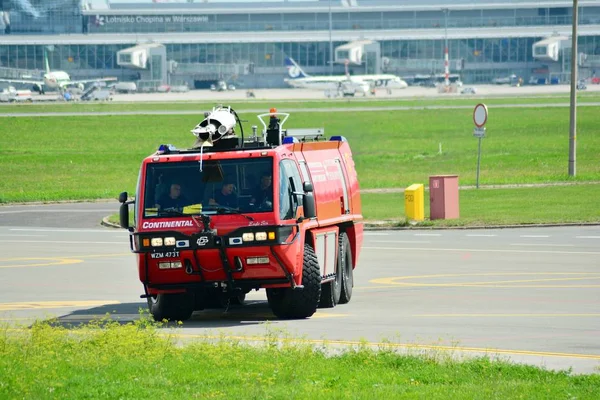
point(226, 196)
point(263, 194)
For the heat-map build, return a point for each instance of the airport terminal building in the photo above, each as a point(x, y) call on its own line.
point(247, 40)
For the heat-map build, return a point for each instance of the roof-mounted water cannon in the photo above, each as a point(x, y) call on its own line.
point(217, 124)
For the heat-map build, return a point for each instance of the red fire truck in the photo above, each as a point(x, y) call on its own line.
point(278, 210)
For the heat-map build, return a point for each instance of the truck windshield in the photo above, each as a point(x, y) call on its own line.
point(223, 186)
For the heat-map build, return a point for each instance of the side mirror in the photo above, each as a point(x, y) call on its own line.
point(307, 187)
point(123, 197)
point(308, 203)
point(124, 215)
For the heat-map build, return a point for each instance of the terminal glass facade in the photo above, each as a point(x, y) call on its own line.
point(490, 56)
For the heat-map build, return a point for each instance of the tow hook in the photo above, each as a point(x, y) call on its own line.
point(188, 267)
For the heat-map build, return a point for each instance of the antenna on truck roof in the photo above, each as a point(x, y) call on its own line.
point(274, 134)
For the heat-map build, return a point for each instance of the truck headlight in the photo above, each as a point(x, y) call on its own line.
point(156, 242)
point(248, 236)
point(169, 241)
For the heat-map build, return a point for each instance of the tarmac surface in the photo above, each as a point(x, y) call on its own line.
point(411, 92)
point(291, 94)
point(529, 295)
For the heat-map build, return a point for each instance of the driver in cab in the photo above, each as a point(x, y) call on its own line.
point(173, 199)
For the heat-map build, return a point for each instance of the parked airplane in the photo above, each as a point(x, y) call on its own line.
point(362, 83)
point(56, 80)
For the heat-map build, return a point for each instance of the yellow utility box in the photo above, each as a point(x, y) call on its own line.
point(414, 205)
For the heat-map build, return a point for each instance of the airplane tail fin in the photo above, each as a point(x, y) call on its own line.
point(46, 64)
point(294, 70)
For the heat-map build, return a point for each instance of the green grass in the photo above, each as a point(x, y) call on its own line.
point(135, 361)
point(88, 157)
point(295, 104)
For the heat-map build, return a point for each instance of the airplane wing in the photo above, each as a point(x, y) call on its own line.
point(25, 81)
point(92, 80)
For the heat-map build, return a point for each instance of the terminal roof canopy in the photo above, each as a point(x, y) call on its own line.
point(318, 4)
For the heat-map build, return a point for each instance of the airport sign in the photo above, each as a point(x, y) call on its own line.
point(480, 115)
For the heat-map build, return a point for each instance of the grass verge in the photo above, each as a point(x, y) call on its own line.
point(108, 360)
point(485, 207)
point(488, 207)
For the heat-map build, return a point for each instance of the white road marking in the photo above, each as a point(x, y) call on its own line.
point(376, 234)
point(542, 244)
point(14, 235)
point(587, 237)
point(479, 235)
point(57, 211)
point(107, 230)
point(426, 249)
point(58, 241)
point(400, 241)
point(428, 234)
point(535, 236)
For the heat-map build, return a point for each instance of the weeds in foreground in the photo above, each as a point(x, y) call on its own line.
point(141, 359)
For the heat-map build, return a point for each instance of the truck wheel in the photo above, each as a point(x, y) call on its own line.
point(288, 303)
point(346, 267)
point(172, 307)
point(332, 291)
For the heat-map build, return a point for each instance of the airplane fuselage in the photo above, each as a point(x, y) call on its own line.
point(56, 79)
point(332, 82)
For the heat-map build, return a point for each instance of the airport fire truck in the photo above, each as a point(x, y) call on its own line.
point(278, 210)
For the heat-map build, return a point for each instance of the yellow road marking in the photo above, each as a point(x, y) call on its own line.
point(317, 315)
point(389, 282)
point(506, 315)
point(38, 305)
point(56, 261)
point(388, 345)
point(53, 260)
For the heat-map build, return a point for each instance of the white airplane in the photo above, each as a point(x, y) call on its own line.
point(361, 83)
point(55, 80)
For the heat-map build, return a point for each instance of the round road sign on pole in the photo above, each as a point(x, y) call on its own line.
point(480, 115)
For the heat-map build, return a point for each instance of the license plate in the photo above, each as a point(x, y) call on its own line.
point(167, 254)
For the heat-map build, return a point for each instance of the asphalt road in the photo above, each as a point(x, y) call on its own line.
point(527, 294)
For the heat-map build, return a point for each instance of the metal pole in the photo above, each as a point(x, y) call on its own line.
point(446, 65)
point(330, 42)
point(478, 162)
point(573, 114)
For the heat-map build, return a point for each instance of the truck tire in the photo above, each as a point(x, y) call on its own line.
point(331, 292)
point(172, 307)
point(347, 270)
point(287, 303)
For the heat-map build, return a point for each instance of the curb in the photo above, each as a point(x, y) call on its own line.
point(370, 226)
point(109, 224)
point(376, 227)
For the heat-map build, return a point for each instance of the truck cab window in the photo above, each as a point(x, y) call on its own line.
point(289, 183)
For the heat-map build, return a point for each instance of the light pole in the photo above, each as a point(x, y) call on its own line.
point(446, 65)
point(573, 109)
point(330, 43)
